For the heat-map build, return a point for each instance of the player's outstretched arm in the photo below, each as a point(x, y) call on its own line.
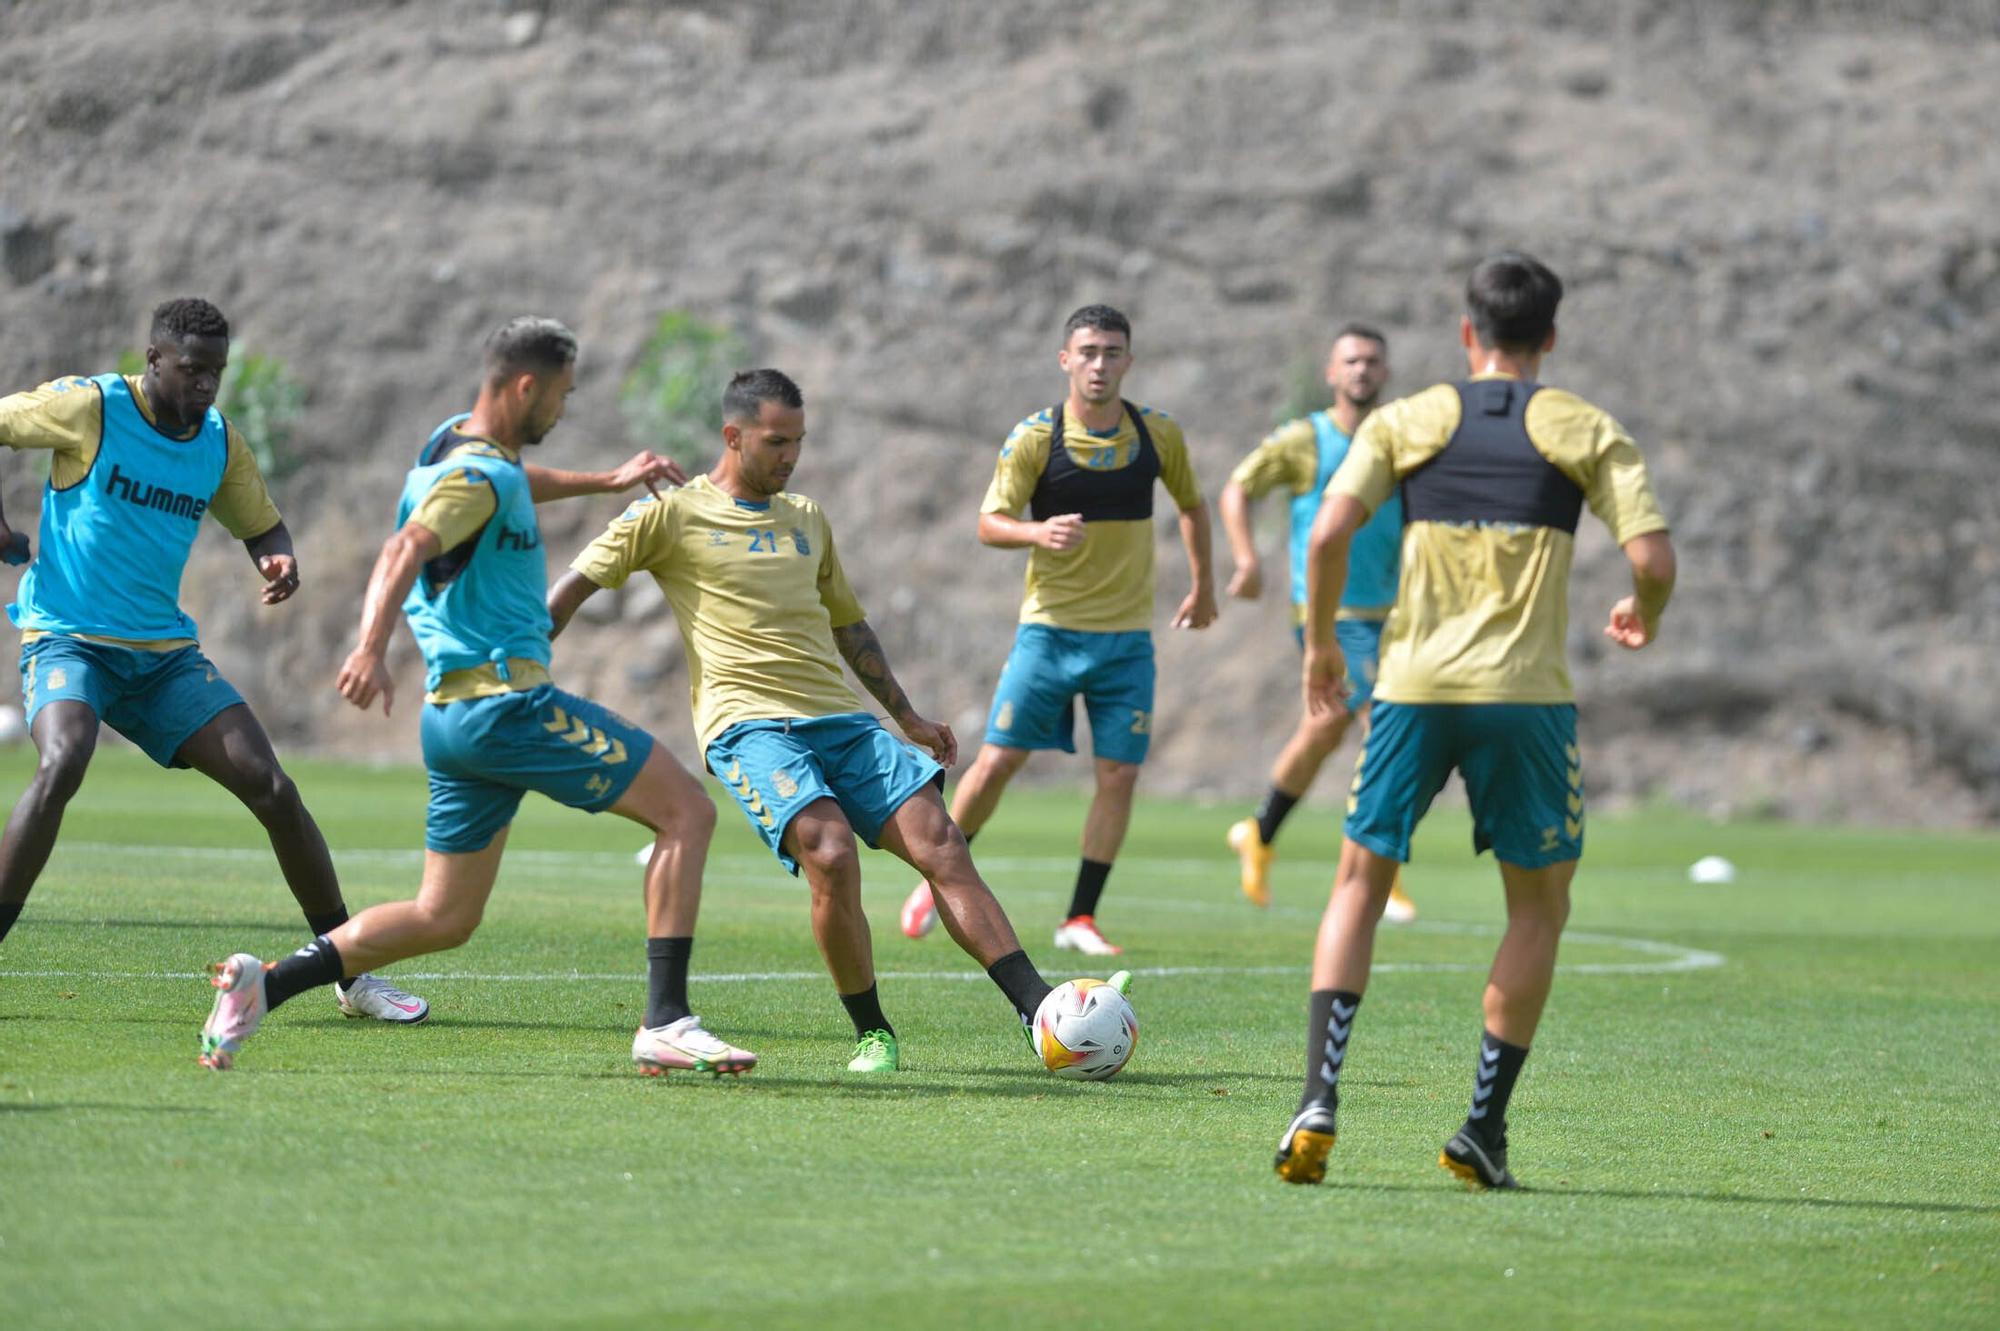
point(1235, 505)
point(645, 468)
point(1198, 610)
point(1635, 619)
point(862, 651)
point(365, 674)
point(567, 597)
point(1004, 532)
point(273, 556)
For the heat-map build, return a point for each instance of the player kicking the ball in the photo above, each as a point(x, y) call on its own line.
point(466, 566)
point(766, 615)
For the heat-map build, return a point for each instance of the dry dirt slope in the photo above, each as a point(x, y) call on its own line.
point(1777, 220)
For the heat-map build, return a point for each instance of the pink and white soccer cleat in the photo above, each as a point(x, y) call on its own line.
point(373, 996)
point(685, 1045)
point(919, 911)
point(1079, 934)
point(239, 1009)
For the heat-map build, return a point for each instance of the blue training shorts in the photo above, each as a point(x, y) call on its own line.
point(484, 754)
point(1034, 703)
point(775, 768)
point(1361, 644)
point(1523, 777)
point(155, 699)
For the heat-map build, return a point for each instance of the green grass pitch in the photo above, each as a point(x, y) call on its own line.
point(1767, 1104)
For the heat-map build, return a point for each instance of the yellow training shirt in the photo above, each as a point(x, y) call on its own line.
point(1482, 609)
point(1105, 583)
point(757, 591)
point(70, 426)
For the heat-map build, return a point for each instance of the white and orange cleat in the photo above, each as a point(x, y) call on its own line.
point(919, 911)
point(1254, 858)
point(685, 1046)
point(239, 1009)
point(1399, 909)
point(1079, 934)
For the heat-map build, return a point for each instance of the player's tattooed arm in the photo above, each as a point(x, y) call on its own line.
point(863, 653)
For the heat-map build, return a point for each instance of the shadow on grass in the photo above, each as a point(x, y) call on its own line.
point(1716, 1198)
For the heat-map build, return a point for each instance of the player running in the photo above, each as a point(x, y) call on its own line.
point(1301, 456)
point(1494, 472)
point(466, 566)
point(766, 616)
point(134, 463)
point(1086, 619)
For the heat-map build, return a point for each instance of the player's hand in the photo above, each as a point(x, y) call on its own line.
point(934, 736)
point(1062, 532)
point(281, 577)
point(1197, 611)
point(647, 468)
point(362, 676)
point(14, 547)
point(1325, 678)
point(1247, 584)
point(1628, 628)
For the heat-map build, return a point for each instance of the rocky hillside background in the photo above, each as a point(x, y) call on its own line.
point(1779, 221)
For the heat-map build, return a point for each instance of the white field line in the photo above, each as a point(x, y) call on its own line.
point(1664, 958)
point(1672, 958)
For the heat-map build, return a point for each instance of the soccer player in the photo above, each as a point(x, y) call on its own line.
point(767, 616)
point(466, 566)
point(1086, 618)
point(1495, 470)
point(134, 463)
point(1301, 456)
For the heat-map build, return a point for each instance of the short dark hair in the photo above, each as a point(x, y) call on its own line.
point(1369, 331)
point(1097, 316)
point(749, 390)
point(1511, 299)
point(184, 317)
point(529, 344)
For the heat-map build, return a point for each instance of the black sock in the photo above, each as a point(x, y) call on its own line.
point(667, 980)
point(1021, 982)
point(1331, 1023)
point(1492, 1086)
point(865, 1011)
point(9, 913)
point(313, 965)
point(1090, 876)
point(1271, 813)
point(325, 922)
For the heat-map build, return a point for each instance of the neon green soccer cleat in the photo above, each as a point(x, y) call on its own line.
point(875, 1052)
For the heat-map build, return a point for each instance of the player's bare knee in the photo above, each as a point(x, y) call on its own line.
point(997, 763)
point(827, 851)
point(1117, 778)
point(273, 796)
point(451, 926)
point(59, 774)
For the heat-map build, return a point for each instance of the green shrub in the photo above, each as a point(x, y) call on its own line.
point(672, 399)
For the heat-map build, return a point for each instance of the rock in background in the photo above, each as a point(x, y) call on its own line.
point(1777, 222)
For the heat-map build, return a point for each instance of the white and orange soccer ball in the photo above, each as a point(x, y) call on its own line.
point(1085, 1030)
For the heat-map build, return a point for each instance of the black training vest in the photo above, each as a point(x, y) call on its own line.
point(1489, 470)
point(1112, 495)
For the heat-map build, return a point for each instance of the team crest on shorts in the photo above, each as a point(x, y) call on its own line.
point(781, 781)
point(1004, 718)
point(58, 677)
